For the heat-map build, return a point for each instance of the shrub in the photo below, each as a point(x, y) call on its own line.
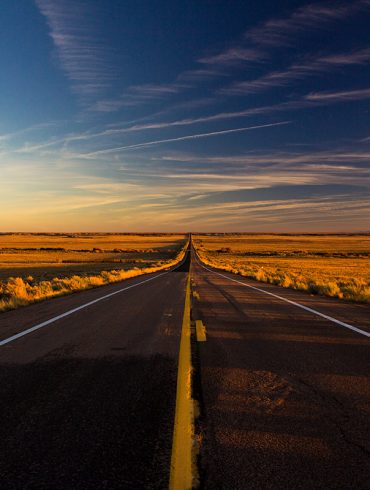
point(18, 292)
point(314, 282)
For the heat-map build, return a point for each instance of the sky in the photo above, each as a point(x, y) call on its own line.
point(196, 115)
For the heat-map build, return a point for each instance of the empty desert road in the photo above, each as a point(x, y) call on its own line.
point(89, 400)
point(285, 394)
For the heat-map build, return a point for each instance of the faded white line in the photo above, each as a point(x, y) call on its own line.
point(315, 312)
point(85, 305)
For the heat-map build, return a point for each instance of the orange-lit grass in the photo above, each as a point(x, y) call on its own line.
point(47, 256)
point(347, 277)
point(88, 241)
point(18, 291)
point(288, 244)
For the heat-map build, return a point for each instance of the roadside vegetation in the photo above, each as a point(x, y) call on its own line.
point(36, 258)
point(330, 265)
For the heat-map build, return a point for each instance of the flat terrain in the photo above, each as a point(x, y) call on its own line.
point(45, 256)
point(36, 267)
point(88, 400)
point(332, 265)
point(282, 244)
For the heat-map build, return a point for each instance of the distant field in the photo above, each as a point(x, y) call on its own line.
point(34, 266)
point(289, 244)
point(332, 265)
point(44, 256)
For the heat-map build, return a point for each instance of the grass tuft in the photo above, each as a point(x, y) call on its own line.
point(16, 291)
point(343, 274)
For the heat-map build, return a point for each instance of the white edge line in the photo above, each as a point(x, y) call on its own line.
point(85, 305)
point(315, 312)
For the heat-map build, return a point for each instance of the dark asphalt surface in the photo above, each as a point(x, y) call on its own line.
point(285, 395)
point(89, 401)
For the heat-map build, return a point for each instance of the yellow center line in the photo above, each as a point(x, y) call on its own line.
point(183, 473)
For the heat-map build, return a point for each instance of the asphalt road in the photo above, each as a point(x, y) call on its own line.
point(285, 394)
point(89, 400)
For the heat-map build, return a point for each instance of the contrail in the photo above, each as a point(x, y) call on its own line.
point(183, 138)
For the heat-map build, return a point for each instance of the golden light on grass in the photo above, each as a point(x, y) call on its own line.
point(37, 258)
point(330, 265)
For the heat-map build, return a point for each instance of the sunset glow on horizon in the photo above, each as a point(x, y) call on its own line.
point(185, 116)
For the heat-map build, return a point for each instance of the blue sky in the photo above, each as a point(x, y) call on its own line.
point(198, 115)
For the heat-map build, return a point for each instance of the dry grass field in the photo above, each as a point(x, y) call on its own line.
point(332, 265)
point(38, 266)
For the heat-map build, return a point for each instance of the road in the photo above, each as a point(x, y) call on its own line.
point(88, 400)
point(285, 394)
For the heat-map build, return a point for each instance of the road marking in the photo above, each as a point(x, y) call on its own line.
point(183, 474)
point(196, 295)
point(85, 305)
point(200, 331)
point(311, 310)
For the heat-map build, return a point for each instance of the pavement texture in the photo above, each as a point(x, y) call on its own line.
point(89, 401)
point(285, 394)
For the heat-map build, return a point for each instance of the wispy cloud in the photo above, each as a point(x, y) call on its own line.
point(85, 57)
point(183, 138)
point(253, 193)
point(298, 71)
point(329, 159)
point(309, 100)
point(273, 32)
point(234, 55)
point(200, 75)
point(274, 214)
point(111, 133)
point(29, 129)
point(347, 95)
point(253, 111)
point(220, 116)
point(155, 91)
point(280, 31)
point(137, 95)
